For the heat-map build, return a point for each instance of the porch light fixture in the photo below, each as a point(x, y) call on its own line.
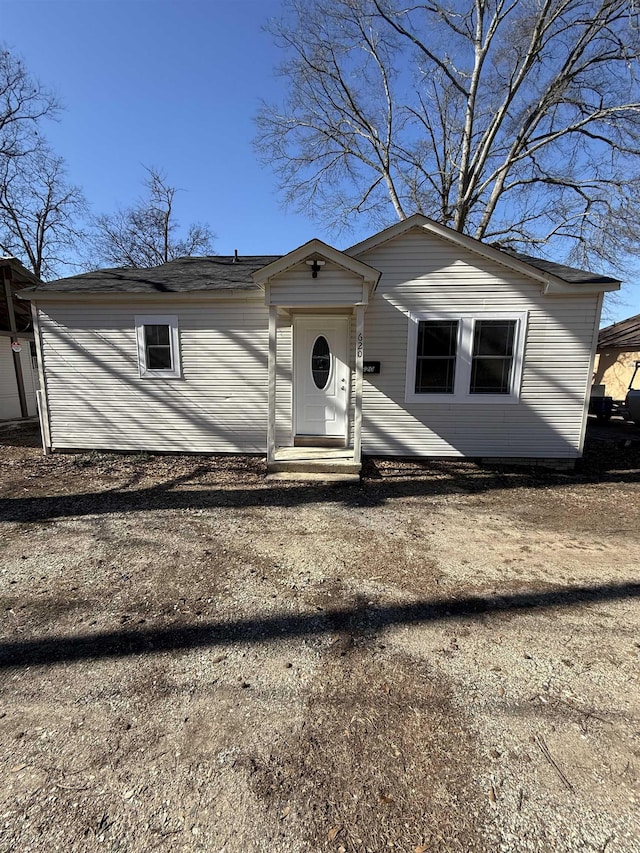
point(315, 265)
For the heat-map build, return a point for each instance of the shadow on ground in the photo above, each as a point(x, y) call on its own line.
point(360, 619)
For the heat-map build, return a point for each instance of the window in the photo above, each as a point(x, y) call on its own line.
point(436, 356)
point(321, 362)
point(158, 351)
point(466, 357)
point(492, 359)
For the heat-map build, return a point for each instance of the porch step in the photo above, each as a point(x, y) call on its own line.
point(314, 466)
point(312, 477)
point(311, 461)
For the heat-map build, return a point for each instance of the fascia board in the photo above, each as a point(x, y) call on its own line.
point(128, 296)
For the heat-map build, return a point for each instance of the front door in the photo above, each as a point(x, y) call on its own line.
point(321, 376)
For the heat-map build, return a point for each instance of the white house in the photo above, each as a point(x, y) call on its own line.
point(416, 342)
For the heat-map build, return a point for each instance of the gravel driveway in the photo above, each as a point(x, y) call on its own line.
point(444, 658)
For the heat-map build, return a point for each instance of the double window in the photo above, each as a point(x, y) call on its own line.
point(158, 350)
point(465, 357)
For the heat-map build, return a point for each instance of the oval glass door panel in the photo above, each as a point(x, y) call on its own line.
point(321, 362)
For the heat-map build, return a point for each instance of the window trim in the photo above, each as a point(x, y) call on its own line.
point(464, 357)
point(170, 320)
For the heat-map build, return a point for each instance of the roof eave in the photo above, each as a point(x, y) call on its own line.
point(560, 287)
point(44, 295)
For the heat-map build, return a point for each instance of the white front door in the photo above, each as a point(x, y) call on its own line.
point(321, 375)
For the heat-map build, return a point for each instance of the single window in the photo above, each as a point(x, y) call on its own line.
point(493, 355)
point(436, 356)
point(321, 362)
point(158, 352)
point(157, 344)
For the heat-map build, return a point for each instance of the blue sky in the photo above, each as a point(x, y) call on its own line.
point(174, 85)
point(171, 84)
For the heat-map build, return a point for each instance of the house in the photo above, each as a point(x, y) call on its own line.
point(419, 341)
point(617, 355)
point(18, 369)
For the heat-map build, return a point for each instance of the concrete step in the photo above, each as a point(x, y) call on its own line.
point(312, 477)
point(314, 466)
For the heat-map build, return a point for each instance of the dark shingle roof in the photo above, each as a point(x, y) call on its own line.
point(220, 272)
point(19, 277)
point(624, 334)
point(568, 274)
point(183, 275)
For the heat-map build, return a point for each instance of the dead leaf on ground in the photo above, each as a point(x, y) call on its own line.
point(286, 811)
point(334, 832)
point(421, 848)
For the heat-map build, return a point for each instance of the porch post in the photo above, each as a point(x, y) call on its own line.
point(357, 422)
point(273, 355)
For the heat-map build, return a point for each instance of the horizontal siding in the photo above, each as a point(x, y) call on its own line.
point(97, 399)
point(333, 286)
point(284, 380)
point(30, 379)
point(425, 273)
point(9, 398)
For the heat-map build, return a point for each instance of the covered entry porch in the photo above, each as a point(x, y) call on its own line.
point(317, 298)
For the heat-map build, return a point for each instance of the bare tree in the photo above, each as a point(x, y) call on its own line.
point(39, 210)
point(147, 234)
point(24, 102)
point(510, 120)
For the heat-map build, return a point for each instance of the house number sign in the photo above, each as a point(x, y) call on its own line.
point(360, 346)
point(371, 367)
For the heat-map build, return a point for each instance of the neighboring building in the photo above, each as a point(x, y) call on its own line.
point(18, 367)
point(617, 354)
point(419, 341)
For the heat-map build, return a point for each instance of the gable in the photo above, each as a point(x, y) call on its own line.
point(333, 285)
point(556, 278)
point(423, 263)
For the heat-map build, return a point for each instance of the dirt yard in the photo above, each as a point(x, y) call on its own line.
point(444, 658)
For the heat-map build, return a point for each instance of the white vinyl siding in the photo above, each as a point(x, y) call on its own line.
point(284, 383)
point(423, 273)
point(98, 400)
point(9, 398)
point(333, 286)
